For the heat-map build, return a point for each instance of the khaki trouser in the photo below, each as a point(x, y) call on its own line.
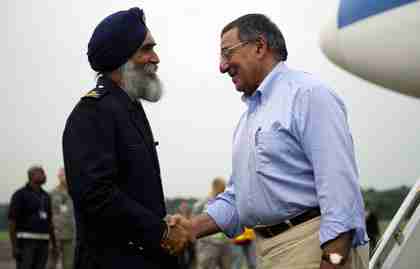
point(66, 255)
point(298, 248)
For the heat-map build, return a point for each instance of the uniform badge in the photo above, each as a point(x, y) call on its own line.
point(63, 208)
point(42, 214)
point(93, 94)
point(96, 93)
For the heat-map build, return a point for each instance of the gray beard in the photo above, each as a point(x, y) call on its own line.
point(141, 81)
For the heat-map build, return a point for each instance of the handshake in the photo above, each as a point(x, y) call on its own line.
point(178, 235)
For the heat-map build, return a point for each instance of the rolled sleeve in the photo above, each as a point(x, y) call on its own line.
point(329, 146)
point(330, 229)
point(223, 211)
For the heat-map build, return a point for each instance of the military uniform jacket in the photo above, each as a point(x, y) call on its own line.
point(63, 216)
point(114, 180)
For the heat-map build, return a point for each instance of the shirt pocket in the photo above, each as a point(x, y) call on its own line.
point(276, 150)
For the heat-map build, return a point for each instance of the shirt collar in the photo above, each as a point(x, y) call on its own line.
point(264, 88)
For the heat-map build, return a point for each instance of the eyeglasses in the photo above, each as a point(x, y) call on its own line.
point(226, 53)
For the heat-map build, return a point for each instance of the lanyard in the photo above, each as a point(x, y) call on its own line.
point(40, 197)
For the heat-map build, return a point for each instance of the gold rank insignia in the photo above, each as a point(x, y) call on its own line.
point(92, 93)
point(96, 93)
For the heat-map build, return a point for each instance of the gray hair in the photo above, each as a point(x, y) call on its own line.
point(251, 26)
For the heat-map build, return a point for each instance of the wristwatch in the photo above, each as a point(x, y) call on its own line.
point(333, 258)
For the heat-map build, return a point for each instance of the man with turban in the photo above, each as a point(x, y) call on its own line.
point(110, 157)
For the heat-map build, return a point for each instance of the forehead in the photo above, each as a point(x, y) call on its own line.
point(148, 42)
point(230, 37)
point(37, 171)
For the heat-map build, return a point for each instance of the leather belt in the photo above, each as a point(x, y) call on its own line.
point(273, 230)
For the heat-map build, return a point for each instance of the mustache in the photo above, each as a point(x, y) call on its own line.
point(150, 68)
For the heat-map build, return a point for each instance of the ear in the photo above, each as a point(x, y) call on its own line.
point(262, 46)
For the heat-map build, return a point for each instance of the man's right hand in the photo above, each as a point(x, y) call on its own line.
point(179, 220)
point(184, 231)
point(180, 235)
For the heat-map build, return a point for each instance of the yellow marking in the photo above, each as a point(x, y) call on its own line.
point(92, 94)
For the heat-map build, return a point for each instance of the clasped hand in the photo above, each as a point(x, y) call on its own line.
point(180, 235)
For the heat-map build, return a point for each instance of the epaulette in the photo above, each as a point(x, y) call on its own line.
point(96, 93)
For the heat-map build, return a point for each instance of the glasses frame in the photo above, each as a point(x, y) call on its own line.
point(226, 53)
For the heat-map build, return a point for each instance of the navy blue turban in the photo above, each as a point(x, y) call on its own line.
point(116, 39)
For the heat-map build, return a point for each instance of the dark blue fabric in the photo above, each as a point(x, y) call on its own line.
point(113, 175)
point(351, 11)
point(25, 208)
point(33, 254)
point(116, 39)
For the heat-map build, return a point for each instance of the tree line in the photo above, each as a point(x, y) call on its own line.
point(384, 203)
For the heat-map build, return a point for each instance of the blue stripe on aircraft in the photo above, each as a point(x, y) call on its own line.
point(351, 11)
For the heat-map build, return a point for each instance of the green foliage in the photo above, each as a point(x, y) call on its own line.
point(3, 217)
point(172, 204)
point(385, 203)
point(4, 236)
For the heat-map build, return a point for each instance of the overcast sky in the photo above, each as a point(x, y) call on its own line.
point(45, 71)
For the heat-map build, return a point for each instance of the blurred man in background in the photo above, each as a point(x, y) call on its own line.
point(30, 222)
point(187, 259)
point(214, 251)
point(372, 228)
point(63, 218)
point(244, 247)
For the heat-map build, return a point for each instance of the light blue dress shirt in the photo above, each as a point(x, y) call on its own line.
point(292, 150)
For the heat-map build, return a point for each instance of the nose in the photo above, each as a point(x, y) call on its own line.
point(154, 58)
point(223, 66)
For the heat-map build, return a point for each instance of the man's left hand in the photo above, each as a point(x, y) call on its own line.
point(327, 265)
point(340, 245)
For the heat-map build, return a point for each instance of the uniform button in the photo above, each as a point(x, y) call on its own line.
point(100, 86)
point(130, 243)
point(140, 248)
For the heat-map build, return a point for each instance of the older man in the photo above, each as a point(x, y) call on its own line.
point(110, 157)
point(294, 178)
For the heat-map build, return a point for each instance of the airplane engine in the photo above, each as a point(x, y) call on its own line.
point(378, 41)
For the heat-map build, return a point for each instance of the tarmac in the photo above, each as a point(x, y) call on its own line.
point(6, 260)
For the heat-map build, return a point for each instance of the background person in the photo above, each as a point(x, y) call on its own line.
point(30, 222)
point(63, 218)
point(214, 251)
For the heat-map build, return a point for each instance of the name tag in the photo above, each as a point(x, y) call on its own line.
point(43, 214)
point(64, 209)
